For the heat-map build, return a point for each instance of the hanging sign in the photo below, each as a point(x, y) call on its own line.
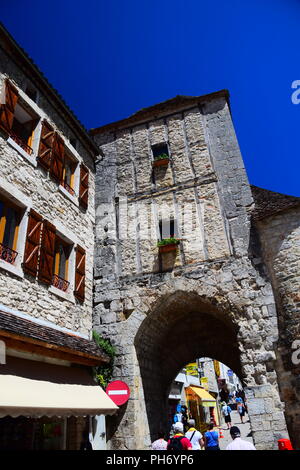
point(118, 392)
point(192, 369)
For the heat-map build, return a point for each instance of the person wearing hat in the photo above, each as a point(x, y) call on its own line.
point(238, 443)
point(226, 410)
point(194, 436)
point(179, 442)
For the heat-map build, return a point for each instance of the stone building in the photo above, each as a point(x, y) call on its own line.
point(46, 262)
point(228, 290)
point(223, 282)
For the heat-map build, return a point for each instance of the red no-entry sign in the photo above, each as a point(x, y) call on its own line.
point(118, 392)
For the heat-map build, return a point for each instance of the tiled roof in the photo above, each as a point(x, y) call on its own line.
point(25, 329)
point(169, 106)
point(269, 203)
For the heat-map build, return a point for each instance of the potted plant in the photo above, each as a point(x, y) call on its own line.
point(168, 244)
point(161, 160)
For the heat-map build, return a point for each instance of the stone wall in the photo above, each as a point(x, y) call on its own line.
point(280, 238)
point(210, 299)
point(32, 187)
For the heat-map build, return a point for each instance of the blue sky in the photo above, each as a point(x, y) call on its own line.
point(110, 59)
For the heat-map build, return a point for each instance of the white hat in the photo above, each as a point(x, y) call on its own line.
point(178, 426)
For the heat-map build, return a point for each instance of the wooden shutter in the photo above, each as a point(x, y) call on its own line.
point(47, 253)
point(46, 145)
point(7, 110)
point(32, 246)
point(84, 186)
point(57, 162)
point(80, 273)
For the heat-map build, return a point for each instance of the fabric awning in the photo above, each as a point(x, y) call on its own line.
point(206, 398)
point(20, 396)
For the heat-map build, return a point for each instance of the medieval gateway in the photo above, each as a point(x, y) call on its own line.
point(189, 259)
point(230, 291)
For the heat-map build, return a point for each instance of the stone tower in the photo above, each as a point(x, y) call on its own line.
point(210, 297)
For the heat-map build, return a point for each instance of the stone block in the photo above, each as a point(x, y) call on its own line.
point(263, 436)
point(256, 406)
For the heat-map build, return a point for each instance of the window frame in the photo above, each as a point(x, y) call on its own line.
point(156, 154)
point(23, 204)
point(63, 235)
point(31, 108)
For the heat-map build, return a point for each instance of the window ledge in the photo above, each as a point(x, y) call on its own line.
point(11, 268)
point(73, 199)
point(63, 295)
point(31, 159)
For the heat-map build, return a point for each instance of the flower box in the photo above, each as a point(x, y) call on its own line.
point(168, 248)
point(168, 245)
point(161, 162)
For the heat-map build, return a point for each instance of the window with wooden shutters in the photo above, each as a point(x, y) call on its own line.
point(32, 246)
point(57, 162)
point(80, 273)
point(8, 108)
point(69, 169)
point(46, 145)
point(10, 218)
point(61, 273)
point(47, 254)
point(84, 186)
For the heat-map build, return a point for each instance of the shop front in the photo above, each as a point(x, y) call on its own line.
point(202, 407)
point(48, 406)
point(48, 397)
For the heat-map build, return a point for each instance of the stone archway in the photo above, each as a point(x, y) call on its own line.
point(182, 328)
point(180, 319)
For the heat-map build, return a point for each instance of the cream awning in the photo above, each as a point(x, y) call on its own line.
point(20, 396)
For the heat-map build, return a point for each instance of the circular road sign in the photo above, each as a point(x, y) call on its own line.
point(118, 392)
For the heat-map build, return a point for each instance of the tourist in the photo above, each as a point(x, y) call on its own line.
point(194, 436)
point(226, 410)
point(179, 442)
point(238, 443)
point(211, 439)
point(241, 410)
point(160, 443)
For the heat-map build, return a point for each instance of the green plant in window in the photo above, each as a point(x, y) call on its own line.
point(103, 373)
point(168, 241)
point(162, 156)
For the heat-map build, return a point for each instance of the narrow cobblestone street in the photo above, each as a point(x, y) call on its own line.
point(244, 428)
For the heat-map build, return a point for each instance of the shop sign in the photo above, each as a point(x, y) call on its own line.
point(192, 369)
point(217, 368)
point(118, 392)
point(204, 382)
point(2, 353)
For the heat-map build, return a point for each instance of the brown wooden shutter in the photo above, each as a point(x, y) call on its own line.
point(57, 163)
point(46, 145)
point(80, 273)
point(32, 246)
point(7, 110)
point(47, 253)
point(84, 186)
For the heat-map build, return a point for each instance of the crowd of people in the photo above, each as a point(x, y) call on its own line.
point(187, 437)
point(193, 439)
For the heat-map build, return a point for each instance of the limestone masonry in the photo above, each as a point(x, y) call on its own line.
point(147, 231)
point(228, 292)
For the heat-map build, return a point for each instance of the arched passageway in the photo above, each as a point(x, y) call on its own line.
point(183, 327)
